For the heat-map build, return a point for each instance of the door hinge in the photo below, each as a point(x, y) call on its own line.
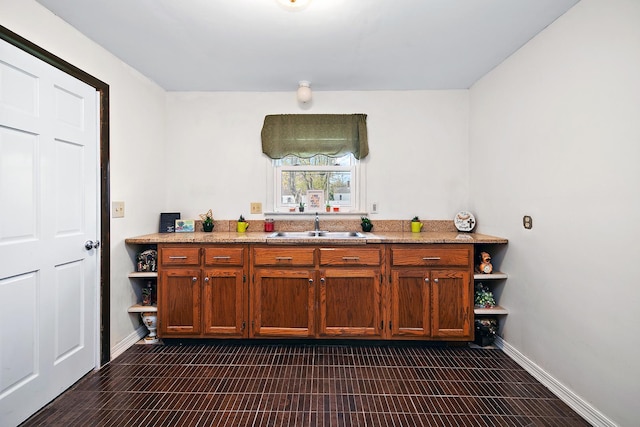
point(244, 278)
point(244, 325)
point(390, 326)
point(381, 324)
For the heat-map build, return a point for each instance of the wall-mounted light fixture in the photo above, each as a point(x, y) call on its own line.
point(304, 92)
point(294, 4)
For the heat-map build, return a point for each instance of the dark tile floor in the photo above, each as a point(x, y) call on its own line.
point(300, 384)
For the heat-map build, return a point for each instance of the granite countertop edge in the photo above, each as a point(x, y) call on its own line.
point(428, 237)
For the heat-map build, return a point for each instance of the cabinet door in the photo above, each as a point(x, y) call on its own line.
point(282, 303)
point(179, 302)
point(410, 303)
point(452, 294)
point(349, 304)
point(223, 308)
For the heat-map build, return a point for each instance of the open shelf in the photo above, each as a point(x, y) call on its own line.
point(493, 276)
point(138, 308)
point(143, 274)
point(490, 311)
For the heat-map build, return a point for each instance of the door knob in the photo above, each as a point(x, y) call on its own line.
point(90, 244)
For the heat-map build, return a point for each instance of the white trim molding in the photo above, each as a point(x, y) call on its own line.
point(575, 402)
point(128, 341)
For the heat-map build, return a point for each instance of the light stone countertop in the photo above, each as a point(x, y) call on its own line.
point(221, 237)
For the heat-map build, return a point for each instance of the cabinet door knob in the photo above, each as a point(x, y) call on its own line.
point(206, 279)
point(322, 280)
point(311, 281)
point(195, 279)
point(426, 279)
point(435, 280)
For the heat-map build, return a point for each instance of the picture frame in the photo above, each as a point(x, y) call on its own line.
point(315, 199)
point(185, 225)
point(168, 221)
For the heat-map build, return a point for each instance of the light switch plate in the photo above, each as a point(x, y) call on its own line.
point(117, 209)
point(256, 208)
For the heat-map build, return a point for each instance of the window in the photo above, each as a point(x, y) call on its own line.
point(318, 153)
point(336, 177)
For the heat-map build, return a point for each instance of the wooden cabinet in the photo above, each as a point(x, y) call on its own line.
point(225, 292)
point(431, 292)
point(316, 291)
point(202, 291)
point(283, 292)
point(349, 303)
point(374, 291)
point(451, 304)
point(179, 300)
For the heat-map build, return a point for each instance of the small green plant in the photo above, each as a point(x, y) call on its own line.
point(207, 219)
point(241, 219)
point(366, 223)
point(483, 296)
point(415, 219)
point(302, 205)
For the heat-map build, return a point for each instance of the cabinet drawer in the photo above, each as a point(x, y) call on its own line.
point(179, 256)
point(283, 256)
point(349, 256)
point(223, 256)
point(431, 256)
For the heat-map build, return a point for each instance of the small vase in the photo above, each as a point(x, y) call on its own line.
point(207, 227)
point(301, 209)
point(366, 226)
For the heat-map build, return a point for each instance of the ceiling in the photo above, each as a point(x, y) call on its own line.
point(337, 45)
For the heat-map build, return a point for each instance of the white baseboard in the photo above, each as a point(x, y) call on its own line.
point(575, 402)
point(128, 341)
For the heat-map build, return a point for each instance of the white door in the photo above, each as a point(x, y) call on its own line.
point(48, 210)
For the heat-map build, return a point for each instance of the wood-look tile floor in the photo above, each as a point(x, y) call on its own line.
point(293, 384)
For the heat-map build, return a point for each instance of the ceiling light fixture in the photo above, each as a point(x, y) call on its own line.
point(294, 4)
point(304, 92)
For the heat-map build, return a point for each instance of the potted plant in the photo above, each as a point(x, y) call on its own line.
point(301, 207)
point(327, 207)
point(366, 224)
point(483, 296)
point(207, 221)
point(242, 224)
point(416, 225)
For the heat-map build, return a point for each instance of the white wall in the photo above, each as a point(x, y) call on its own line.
point(418, 162)
point(137, 139)
point(555, 133)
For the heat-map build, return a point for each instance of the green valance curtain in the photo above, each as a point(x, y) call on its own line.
point(306, 135)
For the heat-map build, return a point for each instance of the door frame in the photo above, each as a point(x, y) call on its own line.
point(105, 226)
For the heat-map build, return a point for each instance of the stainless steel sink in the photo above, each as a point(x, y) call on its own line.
point(316, 235)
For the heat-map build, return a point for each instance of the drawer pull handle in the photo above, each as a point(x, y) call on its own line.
point(431, 258)
point(222, 257)
point(351, 258)
point(284, 258)
point(177, 257)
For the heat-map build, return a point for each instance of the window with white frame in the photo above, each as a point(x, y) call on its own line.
point(337, 178)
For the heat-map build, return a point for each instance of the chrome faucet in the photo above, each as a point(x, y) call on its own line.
point(317, 223)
